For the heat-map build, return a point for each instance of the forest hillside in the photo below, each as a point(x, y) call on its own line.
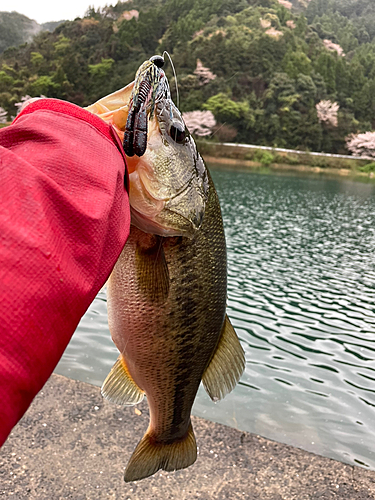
point(16, 29)
point(297, 74)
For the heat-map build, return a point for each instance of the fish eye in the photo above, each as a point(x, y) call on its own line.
point(177, 132)
point(158, 61)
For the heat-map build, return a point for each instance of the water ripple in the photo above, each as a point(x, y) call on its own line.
point(301, 296)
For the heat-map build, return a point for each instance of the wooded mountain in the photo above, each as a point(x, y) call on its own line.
point(16, 29)
point(298, 74)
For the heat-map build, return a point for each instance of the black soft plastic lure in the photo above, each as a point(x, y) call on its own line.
point(147, 87)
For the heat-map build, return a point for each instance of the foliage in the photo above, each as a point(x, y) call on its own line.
point(369, 167)
point(264, 157)
point(297, 74)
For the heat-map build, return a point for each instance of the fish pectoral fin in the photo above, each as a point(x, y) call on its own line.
point(152, 271)
point(227, 364)
point(151, 455)
point(119, 387)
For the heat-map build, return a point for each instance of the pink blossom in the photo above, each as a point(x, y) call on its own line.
point(274, 33)
point(129, 14)
point(362, 144)
point(203, 74)
point(327, 112)
point(199, 122)
point(198, 33)
point(333, 47)
point(265, 23)
point(285, 3)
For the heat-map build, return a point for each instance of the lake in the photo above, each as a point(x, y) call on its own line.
point(301, 296)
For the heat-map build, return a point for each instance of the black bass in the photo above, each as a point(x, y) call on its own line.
point(167, 293)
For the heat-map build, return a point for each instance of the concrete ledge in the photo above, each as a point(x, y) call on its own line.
point(71, 444)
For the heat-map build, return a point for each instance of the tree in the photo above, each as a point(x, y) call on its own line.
point(295, 63)
point(327, 112)
point(203, 74)
point(199, 122)
point(362, 144)
point(225, 109)
point(101, 69)
point(42, 85)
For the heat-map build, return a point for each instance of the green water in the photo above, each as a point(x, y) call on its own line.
point(301, 298)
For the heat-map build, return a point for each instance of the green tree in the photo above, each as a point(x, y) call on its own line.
point(42, 85)
point(102, 69)
point(296, 63)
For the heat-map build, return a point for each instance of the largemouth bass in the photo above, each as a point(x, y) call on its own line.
point(167, 293)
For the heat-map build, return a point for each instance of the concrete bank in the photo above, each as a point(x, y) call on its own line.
point(71, 444)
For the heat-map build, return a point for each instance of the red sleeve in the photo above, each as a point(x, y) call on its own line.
point(64, 218)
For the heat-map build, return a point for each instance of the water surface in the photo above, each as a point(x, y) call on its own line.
point(301, 298)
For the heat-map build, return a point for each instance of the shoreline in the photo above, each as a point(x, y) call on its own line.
point(73, 444)
point(262, 159)
point(248, 165)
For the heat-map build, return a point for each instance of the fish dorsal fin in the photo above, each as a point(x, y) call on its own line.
point(227, 364)
point(119, 387)
point(152, 271)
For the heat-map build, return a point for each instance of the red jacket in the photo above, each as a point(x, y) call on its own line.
point(64, 219)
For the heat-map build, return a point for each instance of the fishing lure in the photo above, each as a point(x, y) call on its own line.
point(150, 84)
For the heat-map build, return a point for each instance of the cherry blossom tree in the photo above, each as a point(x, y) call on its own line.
point(361, 144)
point(203, 74)
point(285, 3)
point(327, 112)
point(129, 14)
point(274, 33)
point(333, 47)
point(199, 122)
point(265, 23)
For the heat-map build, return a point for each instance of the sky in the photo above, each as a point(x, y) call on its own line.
point(43, 11)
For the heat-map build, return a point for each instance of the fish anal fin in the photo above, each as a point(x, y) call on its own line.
point(152, 271)
point(119, 387)
point(226, 365)
point(150, 456)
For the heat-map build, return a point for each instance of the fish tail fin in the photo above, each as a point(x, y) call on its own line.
point(150, 456)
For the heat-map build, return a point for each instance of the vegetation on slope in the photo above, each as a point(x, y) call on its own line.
point(16, 29)
point(261, 66)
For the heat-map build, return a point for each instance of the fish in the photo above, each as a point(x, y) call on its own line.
point(167, 294)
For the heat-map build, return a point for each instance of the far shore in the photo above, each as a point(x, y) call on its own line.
point(237, 164)
point(263, 159)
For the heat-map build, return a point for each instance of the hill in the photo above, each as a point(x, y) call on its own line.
point(16, 29)
point(294, 74)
